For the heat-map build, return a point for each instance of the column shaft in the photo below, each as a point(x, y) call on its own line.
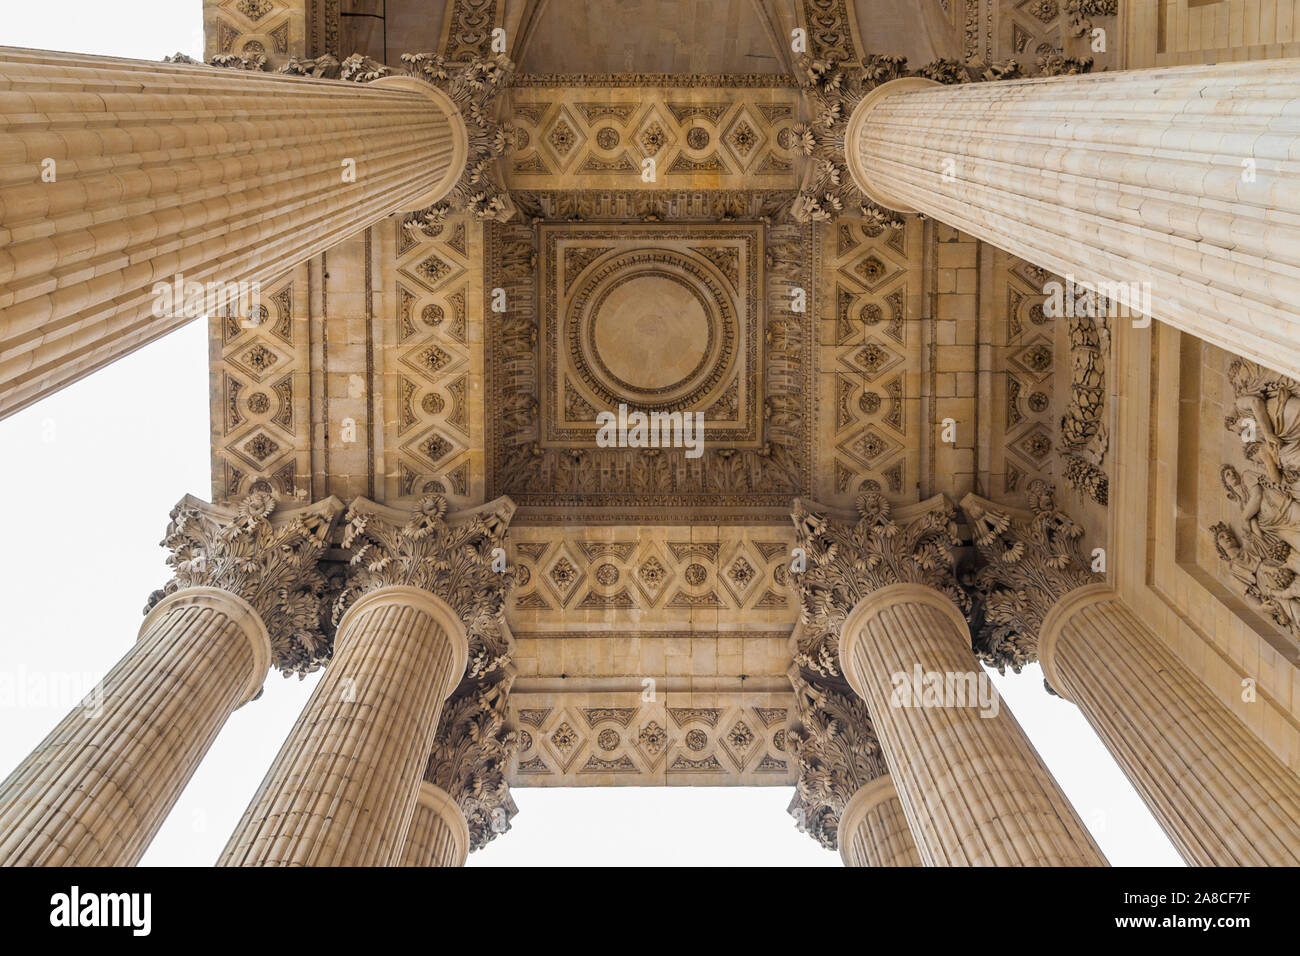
point(97, 789)
point(343, 788)
point(873, 828)
point(439, 833)
point(1183, 177)
point(974, 790)
point(117, 175)
point(1220, 794)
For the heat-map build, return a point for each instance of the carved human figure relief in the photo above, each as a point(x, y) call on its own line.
point(1262, 553)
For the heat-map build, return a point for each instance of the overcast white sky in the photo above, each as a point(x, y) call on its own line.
point(90, 475)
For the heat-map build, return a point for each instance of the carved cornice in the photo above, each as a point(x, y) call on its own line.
point(832, 737)
point(1031, 559)
point(847, 560)
point(460, 558)
point(475, 87)
point(267, 556)
point(472, 754)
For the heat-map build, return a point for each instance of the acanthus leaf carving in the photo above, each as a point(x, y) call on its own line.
point(472, 754)
point(267, 556)
point(454, 557)
point(832, 737)
point(323, 67)
point(846, 561)
point(833, 89)
point(1031, 559)
point(475, 87)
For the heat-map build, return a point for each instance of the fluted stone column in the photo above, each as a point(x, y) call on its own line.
point(117, 176)
point(438, 835)
point(1222, 797)
point(1184, 177)
point(1220, 794)
point(342, 790)
point(421, 609)
point(974, 790)
point(97, 789)
point(874, 830)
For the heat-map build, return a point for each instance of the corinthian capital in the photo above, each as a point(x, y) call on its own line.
point(1031, 560)
point(473, 748)
point(460, 558)
point(832, 737)
point(267, 555)
point(845, 560)
point(475, 87)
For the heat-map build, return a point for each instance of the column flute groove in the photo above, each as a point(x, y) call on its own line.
point(974, 790)
point(345, 785)
point(1182, 178)
point(96, 790)
point(1222, 797)
point(120, 177)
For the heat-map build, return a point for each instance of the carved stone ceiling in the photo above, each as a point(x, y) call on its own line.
point(674, 317)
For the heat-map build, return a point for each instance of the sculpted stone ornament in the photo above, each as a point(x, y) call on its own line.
point(1084, 439)
point(1031, 560)
point(832, 737)
point(268, 556)
point(831, 91)
point(1263, 556)
point(475, 88)
point(846, 561)
point(324, 67)
point(460, 558)
point(472, 754)
point(1081, 13)
point(1058, 64)
point(234, 61)
point(362, 69)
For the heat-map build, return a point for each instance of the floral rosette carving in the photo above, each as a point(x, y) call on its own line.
point(471, 756)
point(459, 559)
point(846, 561)
point(1030, 560)
point(475, 87)
point(832, 737)
point(268, 557)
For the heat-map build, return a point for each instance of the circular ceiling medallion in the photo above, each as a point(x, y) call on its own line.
point(654, 328)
